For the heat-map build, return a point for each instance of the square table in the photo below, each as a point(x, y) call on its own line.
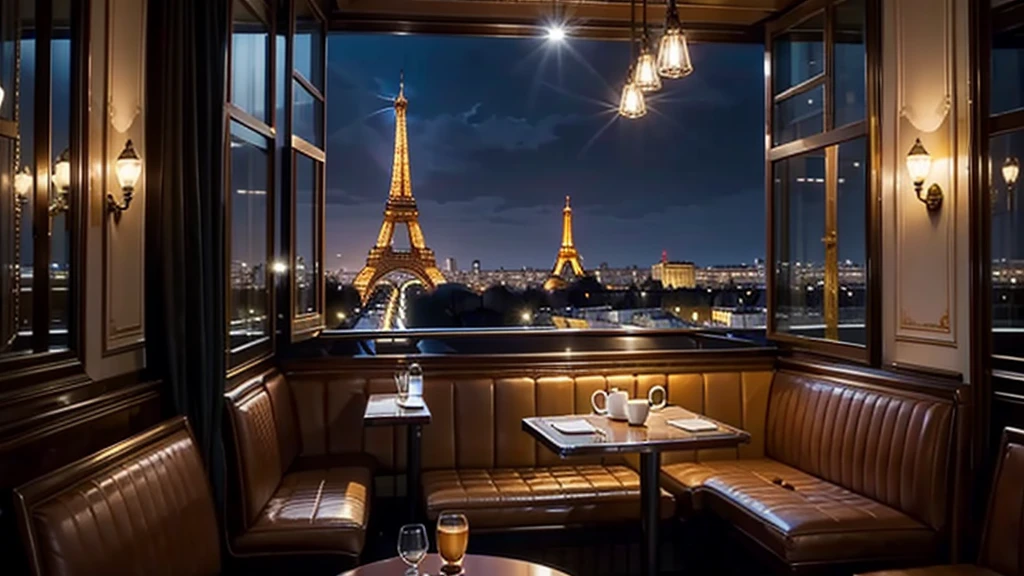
point(383, 410)
point(650, 440)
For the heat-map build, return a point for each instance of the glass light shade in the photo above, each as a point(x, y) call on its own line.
point(128, 167)
point(23, 182)
point(62, 171)
point(632, 104)
point(1, 96)
point(674, 54)
point(1011, 170)
point(919, 163)
point(645, 74)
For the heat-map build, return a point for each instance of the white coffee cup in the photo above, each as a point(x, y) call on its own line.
point(637, 411)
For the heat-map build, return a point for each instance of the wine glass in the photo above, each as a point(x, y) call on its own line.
point(412, 546)
point(452, 540)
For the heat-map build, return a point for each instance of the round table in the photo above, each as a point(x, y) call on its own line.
point(473, 565)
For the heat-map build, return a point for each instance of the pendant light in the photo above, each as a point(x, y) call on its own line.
point(646, 77)
point(632, 104)
point(673, 52)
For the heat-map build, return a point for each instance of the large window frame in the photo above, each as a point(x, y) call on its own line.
point(828, 142)
point(249, 353)
point(42, 360)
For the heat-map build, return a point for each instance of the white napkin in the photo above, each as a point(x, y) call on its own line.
point(573, 427)
point(693, 424)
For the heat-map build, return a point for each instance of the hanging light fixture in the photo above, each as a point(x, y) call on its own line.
point(673, 52)
point(632, 104)
point(1, 96)
point(646, 73)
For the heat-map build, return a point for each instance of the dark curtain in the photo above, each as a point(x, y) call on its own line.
point(185, 215)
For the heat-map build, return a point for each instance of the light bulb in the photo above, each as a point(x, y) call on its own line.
point(673, 51)
point(1, 96)
point(646, 76)
point(128, 167)
point(62, 171)
point(1011, 170)
point(23, 182)
point(632, 104)
point(556, 33)
point(919, 164)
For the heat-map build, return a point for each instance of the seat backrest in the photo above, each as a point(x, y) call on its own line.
point(1003, 537)
point(142, 506)
point(886, 444)
point(264, 439)
point(477, 419)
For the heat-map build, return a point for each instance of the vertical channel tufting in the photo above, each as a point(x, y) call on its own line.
point(1004, 526)
point(257, 445)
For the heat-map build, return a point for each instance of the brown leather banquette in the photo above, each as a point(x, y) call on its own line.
point(476, 457)
point(1002, 540)
point(284, 503)
point(851, 473)
point(142, 506)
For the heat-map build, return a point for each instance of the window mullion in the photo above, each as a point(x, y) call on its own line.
point(831, 241)
point(830, 54)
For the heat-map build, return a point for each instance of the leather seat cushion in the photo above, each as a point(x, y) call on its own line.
point(313, 511)
point(957, 570)
point(545, 496)
point(815, 521)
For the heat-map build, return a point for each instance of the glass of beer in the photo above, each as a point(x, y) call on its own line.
point(452, 540)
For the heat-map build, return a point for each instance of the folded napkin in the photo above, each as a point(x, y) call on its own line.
point(573, 427)
point(693, 424)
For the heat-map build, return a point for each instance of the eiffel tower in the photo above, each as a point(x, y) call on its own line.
point(567, 254)
point(383, 259)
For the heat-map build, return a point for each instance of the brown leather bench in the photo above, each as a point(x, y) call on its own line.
point(142, 506)
point(285, 504)
point(1003, 535)
point(851, 474)
point(477, 459)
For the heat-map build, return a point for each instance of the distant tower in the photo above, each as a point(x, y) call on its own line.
point(476, 266)
point(567, 254)
point(450, 265)
point(400, 209)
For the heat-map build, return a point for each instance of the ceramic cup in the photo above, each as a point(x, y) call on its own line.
point(637, 411)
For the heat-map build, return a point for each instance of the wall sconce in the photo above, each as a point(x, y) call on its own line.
point(1011, 170)
point(22, 184)
point(61, 179)
point(919, 164)
point(128, 168)
point(1, 96)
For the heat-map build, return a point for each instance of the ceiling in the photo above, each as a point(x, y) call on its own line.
point(725, 20)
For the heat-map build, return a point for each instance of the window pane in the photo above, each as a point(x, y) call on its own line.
point(8, 56)
point(1007, 66)
point(1007, 246)
point(250, 49)
point(60, 224)
point(308, 116)
point(799, 53)
point(799, 116)
point(307, 178)
point(850, 63)
point(799, 228)
point(249, 178)
point(851, 227)
point(309, 44)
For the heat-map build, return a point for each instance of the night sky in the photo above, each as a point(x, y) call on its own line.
point(501, 130)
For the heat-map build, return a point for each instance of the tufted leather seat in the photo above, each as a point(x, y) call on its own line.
point(142, 506)
point(851, 474)
point(548, 496)
point(287, 504)
point(1003, 535)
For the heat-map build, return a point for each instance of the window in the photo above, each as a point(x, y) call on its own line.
point(249, 184)
point(39, 184)
point(493, 186)
point(820, 162)
point(1006, 149)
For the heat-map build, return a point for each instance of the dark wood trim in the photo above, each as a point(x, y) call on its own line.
point(1006, 18)
point(9, 128)
point(41, 220)
point(305, 148)
point(818, 141)
point(883, 380)
point(313, 90)
point(1005, 122)
point(806, 85)
point(873, 212)
point(249, 121)
point(797, 13)
point(838, 349)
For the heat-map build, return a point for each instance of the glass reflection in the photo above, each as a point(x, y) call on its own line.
point(60, 223)
point(1007, 248)
point(250, 53)
point(799, 116)
point(851, 63)
point(851, 227)
point(307, 284)
point(1007, 61)
point(250, 182)
point(308, 116)
point(309, 44)
point(798, 54)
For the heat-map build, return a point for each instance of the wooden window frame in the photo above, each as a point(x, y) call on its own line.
point(828, 140)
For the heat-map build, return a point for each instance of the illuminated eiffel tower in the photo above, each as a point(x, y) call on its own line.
point(567, 254)
point(383, 258)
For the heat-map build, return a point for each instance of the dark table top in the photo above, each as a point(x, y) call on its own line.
point(383, 410)
point(619, 437)
point(471, 566)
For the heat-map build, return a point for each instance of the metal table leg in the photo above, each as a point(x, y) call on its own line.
point(650, 496)
point(412, 469)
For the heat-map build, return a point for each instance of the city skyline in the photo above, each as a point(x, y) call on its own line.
point(625, 216)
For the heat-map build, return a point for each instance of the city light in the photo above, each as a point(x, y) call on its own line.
point(556, 33)
point(341, 316)
point(279, 267)
point(527, 317)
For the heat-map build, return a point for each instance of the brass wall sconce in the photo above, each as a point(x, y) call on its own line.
point(128, 168)
point(61, 179)
point(919, 165)
point(1011, 170)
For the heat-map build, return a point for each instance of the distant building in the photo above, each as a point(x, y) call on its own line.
point(741, 317)
point(675, 274)
point(476, 266)
point(450, 265)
